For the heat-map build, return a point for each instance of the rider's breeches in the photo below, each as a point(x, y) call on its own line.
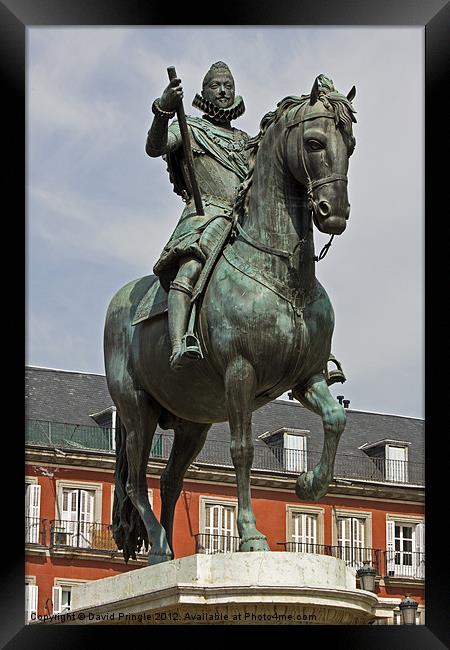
point(212, 234)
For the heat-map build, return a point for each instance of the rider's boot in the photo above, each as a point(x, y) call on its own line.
point(334, 376)
point(185, 346)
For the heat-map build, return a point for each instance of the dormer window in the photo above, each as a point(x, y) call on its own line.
point(107, 420)
point(391, 458)
point(289, 446)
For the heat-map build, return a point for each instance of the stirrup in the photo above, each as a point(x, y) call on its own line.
point(189, 351)
point(335, 376)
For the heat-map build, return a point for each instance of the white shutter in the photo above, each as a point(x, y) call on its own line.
point(396, 466)
point(57, 599)
point(86, 518)
point(31, 601)
point(67, 531)
point(32, 512)
point(420, 550)
point(219, 527)
point(304, 531)
point(344, 537)
point(295, 452)
point(390, 547)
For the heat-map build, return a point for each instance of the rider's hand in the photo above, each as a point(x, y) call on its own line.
point(172, 96)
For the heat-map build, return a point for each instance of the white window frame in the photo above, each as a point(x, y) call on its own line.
point(61, 584)
point(79, 485)
point(396, 470)
point(295, 462)
point(97, 488)
point(204, 502)
point(417, 569)
point(366, 516)
point(32, 531)
point(318, 513)
point(31, 596)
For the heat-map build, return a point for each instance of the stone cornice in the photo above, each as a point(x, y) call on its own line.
point(104, 461)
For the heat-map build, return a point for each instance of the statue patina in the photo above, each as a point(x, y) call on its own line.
point(263, 324)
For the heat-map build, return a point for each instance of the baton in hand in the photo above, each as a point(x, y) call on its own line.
point(187, 148)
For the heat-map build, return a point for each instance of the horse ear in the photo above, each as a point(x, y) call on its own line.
point(351, 94)
point(314, 92)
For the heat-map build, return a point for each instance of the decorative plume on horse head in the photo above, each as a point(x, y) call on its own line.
point(262, 324)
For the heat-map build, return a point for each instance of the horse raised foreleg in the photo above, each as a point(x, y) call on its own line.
point(188, 442)
point(140, 416)
point(240, 384)
point(313, 485)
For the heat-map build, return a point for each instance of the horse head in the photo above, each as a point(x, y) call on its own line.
point(319, 144)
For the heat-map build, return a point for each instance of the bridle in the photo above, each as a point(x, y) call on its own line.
point(312, 185)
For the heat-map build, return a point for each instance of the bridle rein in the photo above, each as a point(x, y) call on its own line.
point(311, 186)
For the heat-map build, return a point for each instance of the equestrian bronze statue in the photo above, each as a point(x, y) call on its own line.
point(234, 316)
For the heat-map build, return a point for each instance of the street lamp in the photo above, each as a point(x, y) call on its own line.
point(408, 609)
point(367, 574)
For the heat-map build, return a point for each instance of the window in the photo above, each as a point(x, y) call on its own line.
point(304, 533)
point(31, 599)
point(295, 452)
point(219, 533)
point(62, 594)
point(390, 458)
point(304, 529)
point(288, 447)
point(405, 548)
point(32, 511)
point(78, 513)
point(396, 464)
point(352, 533)
point(77, 516)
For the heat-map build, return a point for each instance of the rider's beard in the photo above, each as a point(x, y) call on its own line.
point(219, 113)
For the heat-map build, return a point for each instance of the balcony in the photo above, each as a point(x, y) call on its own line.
point(212, 544)
point(83, 536)
point(35, 531)
point(404, 564)
point(217, 454)
point(352, 555)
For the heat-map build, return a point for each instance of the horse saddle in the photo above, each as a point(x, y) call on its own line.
point(154, 301)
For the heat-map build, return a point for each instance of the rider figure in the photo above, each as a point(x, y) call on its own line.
point(220, 164)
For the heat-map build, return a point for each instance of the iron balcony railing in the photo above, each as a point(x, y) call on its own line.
point(211, 544)
point(82, 535)
point(217, 453)
point(404, 564)
point(354, 556)
point(35, 531)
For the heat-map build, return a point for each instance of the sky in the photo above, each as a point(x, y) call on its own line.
point(99, 210)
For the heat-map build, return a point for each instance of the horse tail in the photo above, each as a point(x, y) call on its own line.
point(128, 529)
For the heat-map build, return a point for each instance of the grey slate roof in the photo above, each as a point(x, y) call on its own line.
point(67, 396)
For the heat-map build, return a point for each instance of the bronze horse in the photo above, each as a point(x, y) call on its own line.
point(265, 325)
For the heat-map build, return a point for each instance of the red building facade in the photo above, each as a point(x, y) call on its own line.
point(373, 513)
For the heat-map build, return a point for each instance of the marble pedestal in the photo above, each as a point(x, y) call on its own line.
point(236, 588)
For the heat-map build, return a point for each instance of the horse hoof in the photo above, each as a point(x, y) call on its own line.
point(254, 544)
point(157, 558)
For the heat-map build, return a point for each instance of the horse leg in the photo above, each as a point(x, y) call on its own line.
point(240, 386)
point(313, 485)
point(188, 442)
point(139, 415)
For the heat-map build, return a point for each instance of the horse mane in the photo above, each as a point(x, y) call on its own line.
point(331, 99)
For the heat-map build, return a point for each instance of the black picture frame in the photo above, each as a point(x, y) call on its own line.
point(433, 15)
